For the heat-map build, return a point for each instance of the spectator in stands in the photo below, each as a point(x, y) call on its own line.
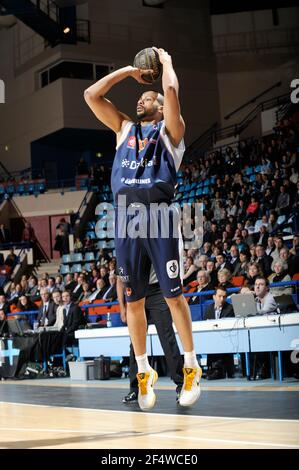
point(46, 315)
point(224, 278)
point(58, 245)
point(78, 289)
point(190, 271)
point(270, 246)
point(99, 292)
point(78, 246)
point(4, 305)
point(279, 244)
point(222, 263)
point(94, 277)
point(104, 274)
point(212, 272)
point(111, 294)
point(70, 284)
point(244, 261)
point(5, 236)
point(286, 257)
point(241, 211)
point(25, 304)
point(295, 245)
point(262, 236)
point(59, 284)
point(272, 223)
point(11, 258)
point(283, 201)
point(73, 318)
point(204, 284)
point(28, 234)
point(64, 226)
point(234, 260)
point(263, 260)
point(219, 364)
point(254, 271)
point(280, 274)
point(32, 290)
point(51, 284)
point(15, 293)
point(264, 299)
point(88, 244)
point(252, 208)
point(86, 292)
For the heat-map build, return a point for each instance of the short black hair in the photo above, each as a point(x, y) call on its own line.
point(220, 288)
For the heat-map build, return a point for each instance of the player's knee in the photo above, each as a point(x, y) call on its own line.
point(175, 301)
point(136, 306)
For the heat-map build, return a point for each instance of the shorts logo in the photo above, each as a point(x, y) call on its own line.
point(172, 268)
point(131, 142)
point(125, 163)
point(128, 291)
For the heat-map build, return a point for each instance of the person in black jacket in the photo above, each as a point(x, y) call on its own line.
point(263, 260)
point(219, 364)
point(73, 318)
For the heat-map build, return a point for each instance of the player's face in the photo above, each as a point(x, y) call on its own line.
point(147, 106)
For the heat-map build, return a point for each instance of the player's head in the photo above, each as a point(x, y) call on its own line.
point(150, 106)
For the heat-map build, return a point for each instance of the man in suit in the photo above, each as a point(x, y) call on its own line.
point(262, 237)
point(219, 364)
point(101, 288)
point(77, 291)
point(70, 284)
point(222, 263)
point(234, 260)
point(204, 284)
point(111, 294)
point(263, 260)
point(47, 312)
point(73, 318)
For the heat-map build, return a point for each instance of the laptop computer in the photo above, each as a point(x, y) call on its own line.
point(244, 305)
point(285, 303)
point(14, 327)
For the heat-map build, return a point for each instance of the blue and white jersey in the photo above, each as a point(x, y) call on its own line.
point(145, 164)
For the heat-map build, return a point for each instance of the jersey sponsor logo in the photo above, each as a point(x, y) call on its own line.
point(125, 163)
point(128, 291)
point(136, 180)
point(144, 162)
point(142, 144)
point(175, 289)
point(153, 141)
point(172, 268)
point(131, 142)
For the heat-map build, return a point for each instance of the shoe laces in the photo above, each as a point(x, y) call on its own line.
point(189, 375)
point(142, 378)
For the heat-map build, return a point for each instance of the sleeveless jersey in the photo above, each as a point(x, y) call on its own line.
point(145, 164)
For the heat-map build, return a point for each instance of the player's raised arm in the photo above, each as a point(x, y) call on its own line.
point(104, 110)
point(174, 122)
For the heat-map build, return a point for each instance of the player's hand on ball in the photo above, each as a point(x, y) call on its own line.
point(164, 57)
point(137, 74)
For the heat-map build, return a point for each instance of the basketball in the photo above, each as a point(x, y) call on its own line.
point(148, 59)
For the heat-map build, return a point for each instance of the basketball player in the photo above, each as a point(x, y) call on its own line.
point(148, 156)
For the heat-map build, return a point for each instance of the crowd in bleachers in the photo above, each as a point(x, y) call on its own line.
point(250, 196)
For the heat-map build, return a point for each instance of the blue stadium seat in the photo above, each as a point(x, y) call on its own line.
point(252, 178)
point(64, 269)
point(248, 171)
point(89, 256)
point(91, 234)
point(66, 259)
point(281, 219)
point(76, 257)
point(76, 268)
point(87, 267)
point(199, 192)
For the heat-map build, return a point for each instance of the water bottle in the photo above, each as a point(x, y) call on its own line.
point(109, 322)
point(35, 325)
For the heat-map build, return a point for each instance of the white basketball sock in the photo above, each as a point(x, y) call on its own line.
point(143, 364)
point(190, 359)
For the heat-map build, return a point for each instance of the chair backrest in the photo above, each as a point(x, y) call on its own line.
point(238, 281)
point(295, 277)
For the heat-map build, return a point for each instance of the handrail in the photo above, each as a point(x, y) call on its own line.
point(213, 134)
point(253, 100)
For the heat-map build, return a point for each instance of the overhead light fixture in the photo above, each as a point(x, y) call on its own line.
point(99, 154)
point(67, 30)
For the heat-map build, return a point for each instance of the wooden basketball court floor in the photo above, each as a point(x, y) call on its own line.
point(60, 414)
